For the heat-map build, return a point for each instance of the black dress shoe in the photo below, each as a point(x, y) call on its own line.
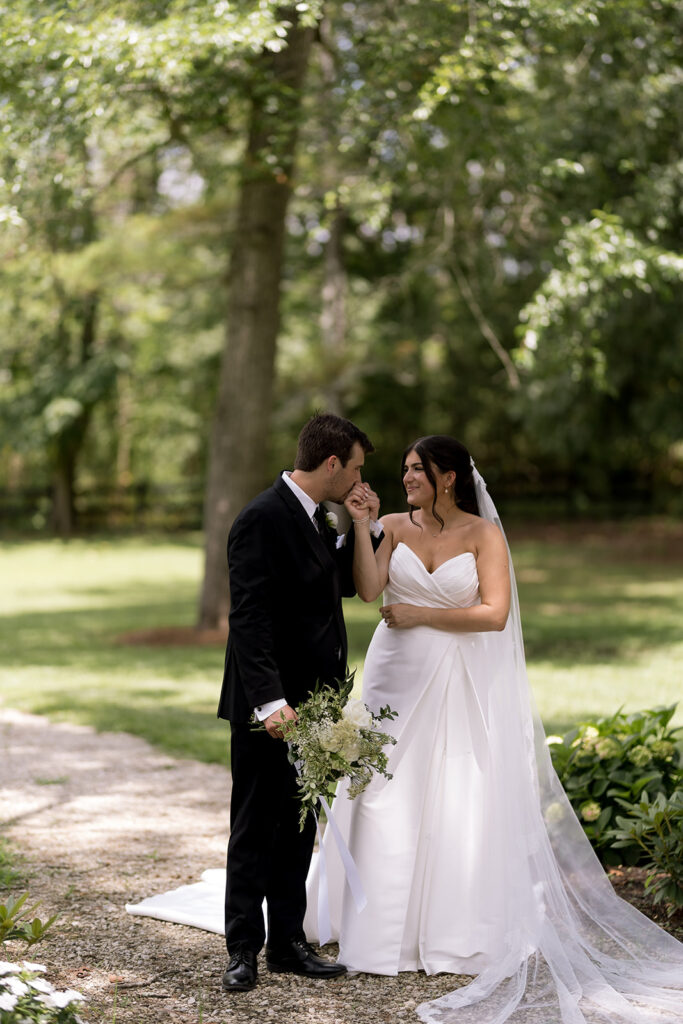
point(240, 975)
point(297, 957)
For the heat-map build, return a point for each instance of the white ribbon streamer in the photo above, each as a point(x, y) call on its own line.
point(350, 871)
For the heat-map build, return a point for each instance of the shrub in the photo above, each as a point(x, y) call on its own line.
point(656, 827)
point(27, 997)
point(612, 763)
point(16, 921)
point(9, 873)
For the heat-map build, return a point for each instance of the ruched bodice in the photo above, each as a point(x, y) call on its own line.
point(453, 584)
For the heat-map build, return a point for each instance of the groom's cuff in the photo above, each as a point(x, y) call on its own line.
point(264, 711)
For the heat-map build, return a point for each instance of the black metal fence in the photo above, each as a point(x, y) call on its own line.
point(138, 507)
point(177, 507)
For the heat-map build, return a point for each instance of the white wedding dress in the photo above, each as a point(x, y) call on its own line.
point(471, 857)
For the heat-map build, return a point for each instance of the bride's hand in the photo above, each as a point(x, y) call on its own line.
point(401, 616)
point(362, 502)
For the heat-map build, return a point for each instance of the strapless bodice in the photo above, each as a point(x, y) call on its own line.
point(453, 584)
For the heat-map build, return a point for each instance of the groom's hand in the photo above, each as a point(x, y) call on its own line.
point(274, 722)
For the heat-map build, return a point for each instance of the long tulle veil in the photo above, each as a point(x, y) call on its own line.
point(581, 955)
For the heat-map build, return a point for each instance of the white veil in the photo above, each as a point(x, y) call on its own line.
point(578, 954)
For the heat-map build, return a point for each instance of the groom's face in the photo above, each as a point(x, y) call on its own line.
point(343, 478)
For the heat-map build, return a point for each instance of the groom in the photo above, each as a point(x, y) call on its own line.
point(288, 573)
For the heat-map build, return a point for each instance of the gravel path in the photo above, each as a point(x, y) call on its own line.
point(104, 819)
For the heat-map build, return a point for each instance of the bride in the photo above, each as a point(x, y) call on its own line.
point(471, 857)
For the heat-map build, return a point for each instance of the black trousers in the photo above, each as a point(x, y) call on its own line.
point(268, 857)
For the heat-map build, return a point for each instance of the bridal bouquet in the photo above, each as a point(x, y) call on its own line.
point(335, 738)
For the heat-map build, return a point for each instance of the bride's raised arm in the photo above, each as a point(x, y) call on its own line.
point(370, 568)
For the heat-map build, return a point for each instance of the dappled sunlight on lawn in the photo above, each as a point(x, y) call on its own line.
point(56, 575)
point(600, 633)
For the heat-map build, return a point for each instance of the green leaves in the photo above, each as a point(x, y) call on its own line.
point(335, 738)
point(602, 764)
point(16, 923)
point(655, 825)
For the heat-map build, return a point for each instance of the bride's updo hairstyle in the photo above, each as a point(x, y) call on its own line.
point(446, 454)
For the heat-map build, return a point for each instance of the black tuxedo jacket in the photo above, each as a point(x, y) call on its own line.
point(286, 587)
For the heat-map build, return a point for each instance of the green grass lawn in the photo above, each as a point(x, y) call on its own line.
point(602, 626)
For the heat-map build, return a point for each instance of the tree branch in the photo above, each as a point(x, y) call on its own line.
point(131, 161)
point(483, 324)
point(445, 249)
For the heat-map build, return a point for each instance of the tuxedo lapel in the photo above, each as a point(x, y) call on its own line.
point(306, 529)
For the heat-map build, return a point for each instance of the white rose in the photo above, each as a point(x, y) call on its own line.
point(357, 713)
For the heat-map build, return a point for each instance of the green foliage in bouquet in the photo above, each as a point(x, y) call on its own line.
point(656, 827)
point(615, 763)
point(334, 738)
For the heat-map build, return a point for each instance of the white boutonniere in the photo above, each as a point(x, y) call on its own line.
point(331, 520)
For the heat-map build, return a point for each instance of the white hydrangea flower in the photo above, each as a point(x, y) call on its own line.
point(62, 999)
point(554, 813)
point(40, 985)
point(350, 750)
point(328, 739)
point(8, 1001)
point(16, 985)
point(32, 967)
point(355, 711)
point(8, 968)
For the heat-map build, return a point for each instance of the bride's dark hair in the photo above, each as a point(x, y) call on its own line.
point(445, 453)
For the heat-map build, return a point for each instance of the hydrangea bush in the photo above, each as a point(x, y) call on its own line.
point(335, 738)
point(27, 997)
point(609, 765)
point(657, 827)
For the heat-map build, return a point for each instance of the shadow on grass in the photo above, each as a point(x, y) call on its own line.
point(88, 638)
point(594, 638)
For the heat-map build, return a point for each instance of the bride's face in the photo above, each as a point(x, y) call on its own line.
point(418, 488)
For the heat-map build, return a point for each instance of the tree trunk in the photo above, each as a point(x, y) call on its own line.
point(238, 447)
point(333, 316)
point(62, 512)
point(69, 443)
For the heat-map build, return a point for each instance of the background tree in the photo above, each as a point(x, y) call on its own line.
point(481, 239)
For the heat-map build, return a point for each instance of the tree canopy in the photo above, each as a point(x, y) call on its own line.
point(483, 207)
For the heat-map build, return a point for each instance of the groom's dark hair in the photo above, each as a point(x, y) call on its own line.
point(326, 434)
